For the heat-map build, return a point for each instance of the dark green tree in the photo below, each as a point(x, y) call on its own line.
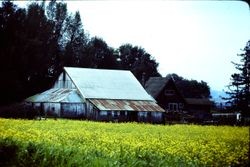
point(30, 49)
point(238, 89)
point(39, 48)
point(138, 61)
point(57, 14)
point(76, 40)
point(11, 36)
point(191, 88)
point(99, 55)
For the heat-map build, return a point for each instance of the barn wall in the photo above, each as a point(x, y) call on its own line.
point(73, 110)
point(143, 117)
point(157, 117)
point(64, 110)
point(64, 81)
point(52, 109)
point(89, 111)
point(153, 117)
point(164, 99)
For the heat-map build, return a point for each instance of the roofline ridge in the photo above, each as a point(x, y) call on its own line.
point(98, 69)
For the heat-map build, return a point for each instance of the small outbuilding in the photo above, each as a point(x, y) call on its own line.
point(106, 95)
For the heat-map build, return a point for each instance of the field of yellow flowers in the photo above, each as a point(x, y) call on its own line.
point(85, 143)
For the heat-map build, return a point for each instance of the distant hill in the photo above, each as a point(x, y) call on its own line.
point(216, 96)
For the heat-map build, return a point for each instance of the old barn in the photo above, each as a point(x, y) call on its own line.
point(107, 95)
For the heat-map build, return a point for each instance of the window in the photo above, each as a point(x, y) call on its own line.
point(109, 113)
point(103, 113)
point(116, 114)
point(173, 106)
point(169, 92)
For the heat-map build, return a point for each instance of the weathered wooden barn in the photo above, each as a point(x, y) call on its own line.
point(107, 95)
point(167, 95)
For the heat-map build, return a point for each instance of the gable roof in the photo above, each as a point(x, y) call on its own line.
point(155, 85)
point(107, 84)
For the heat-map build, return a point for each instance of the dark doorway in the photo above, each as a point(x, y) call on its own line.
point(132, 116)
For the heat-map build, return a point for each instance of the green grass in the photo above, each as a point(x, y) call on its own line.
point(86, 143)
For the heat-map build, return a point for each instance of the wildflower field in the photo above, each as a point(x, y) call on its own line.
point(85, 143)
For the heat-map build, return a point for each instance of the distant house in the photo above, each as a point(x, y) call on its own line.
point(96, 94)
point(167, 95)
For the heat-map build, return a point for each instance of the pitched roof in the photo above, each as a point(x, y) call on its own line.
point(57, 95)
point(155, 85)
point(107, 84)
point(106, 89)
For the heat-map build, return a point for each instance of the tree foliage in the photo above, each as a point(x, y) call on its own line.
point(30, 50)
point(191, 88)
point(38, 41)
point(137, 60)
point(239, 88)
point(99, 55)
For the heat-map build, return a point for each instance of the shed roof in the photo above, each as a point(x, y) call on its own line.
point(125, 105)
point(107, 84)
point(57, 95)
point(155, 85)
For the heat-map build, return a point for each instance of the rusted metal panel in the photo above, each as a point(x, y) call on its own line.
point(57, 95)
point(125, 105)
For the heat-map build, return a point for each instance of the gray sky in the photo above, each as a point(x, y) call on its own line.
point(194, 39)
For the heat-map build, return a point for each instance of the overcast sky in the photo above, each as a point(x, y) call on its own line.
point(194, 39)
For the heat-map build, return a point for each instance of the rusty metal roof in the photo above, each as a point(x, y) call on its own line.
point(125, 105)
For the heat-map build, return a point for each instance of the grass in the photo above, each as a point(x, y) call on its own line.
point(85, 143)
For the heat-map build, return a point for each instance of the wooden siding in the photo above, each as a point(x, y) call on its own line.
point(165, 99)
point(64, 81)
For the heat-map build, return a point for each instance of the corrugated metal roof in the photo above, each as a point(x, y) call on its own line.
point(126, 105)
point(57, 95)
point(107, 84)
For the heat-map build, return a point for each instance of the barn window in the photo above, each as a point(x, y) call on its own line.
point(123, 113)
point(109, 113)
point(173, 106)
point(116, 114)
point(103, 113)
point(169, 92)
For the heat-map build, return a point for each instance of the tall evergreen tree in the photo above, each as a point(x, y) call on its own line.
point(11, 36)
point(56, 14)
point(239, 88)
point(76, 40)
point(30, 49)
